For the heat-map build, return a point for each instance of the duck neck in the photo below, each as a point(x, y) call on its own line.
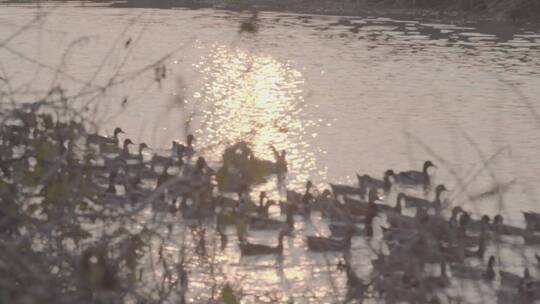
point(125, 148)
point(290, 218)
point(481, 245)
point(140, 152)
point(438, 195)
point(398, 202)
point(280, 242)
point(425, 169)
point(261, 202)
point(443, 269)
point(115, 135)
point(386, 182)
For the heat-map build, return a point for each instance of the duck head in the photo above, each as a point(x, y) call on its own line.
point(190, 139)
point(498, 219)
point(127, 142)
point(200, 164)
point(118, 131)
point(142, 146)
point(464, 219)
point(309, 185)
point(485, 220)
point(388, 174)
point(456, 210)
point(438, 190)
point(491, 262)
point(428, 164)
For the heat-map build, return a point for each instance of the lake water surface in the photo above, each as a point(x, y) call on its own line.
point(341, 95)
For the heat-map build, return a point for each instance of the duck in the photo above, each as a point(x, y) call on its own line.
point(262, 208)
point(265, 223)
point(509, 279)
point(300, 203)
point(324, 202)
point(340, 229)
point(367, 182)
point(104, 140)
point(478, 226)
point(344, 190)
point(249, 249)
point(458, 252)
point(432, 283)
point(500, 228)
point(402, 221)
point(391, 209)
point(415, 178)
point(411, 201)
point(531, 238)
point(532, 220)
point(161, 160)
point(258, 223)
point(468, 272)
point(321, 244)
point(453, 220)
point(358, 207)
point(138, 158)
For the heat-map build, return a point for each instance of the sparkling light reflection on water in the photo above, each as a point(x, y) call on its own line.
point(255, 98)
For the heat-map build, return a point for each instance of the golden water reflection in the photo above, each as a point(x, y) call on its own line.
point(256, 98)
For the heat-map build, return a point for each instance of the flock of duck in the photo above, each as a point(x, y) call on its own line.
point(427, 237)
point(184, 183)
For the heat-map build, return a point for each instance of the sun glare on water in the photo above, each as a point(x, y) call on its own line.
point(258, 99)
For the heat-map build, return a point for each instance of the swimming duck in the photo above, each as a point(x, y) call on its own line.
point(468, 272)
point(532, 220)
point(509, 279)
point(402, 221)
point(300, 203)
point(411, 201)
point(367, 182)
point(531, 238)
point(415, 178)
point(258, 223)
point(432, 283)
point(453, 220)
point(324, 202)
point(357, 207)
point(262, 208)
point(391, 209)
point(161, 160)
point(139, 156)
point(499, 227)
point(248, 249)
point(320, 244)
point(340, 229)
point(344, 190)
point(125, 148)
point(262, 222)
point(481, 225)
point(104, 140)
